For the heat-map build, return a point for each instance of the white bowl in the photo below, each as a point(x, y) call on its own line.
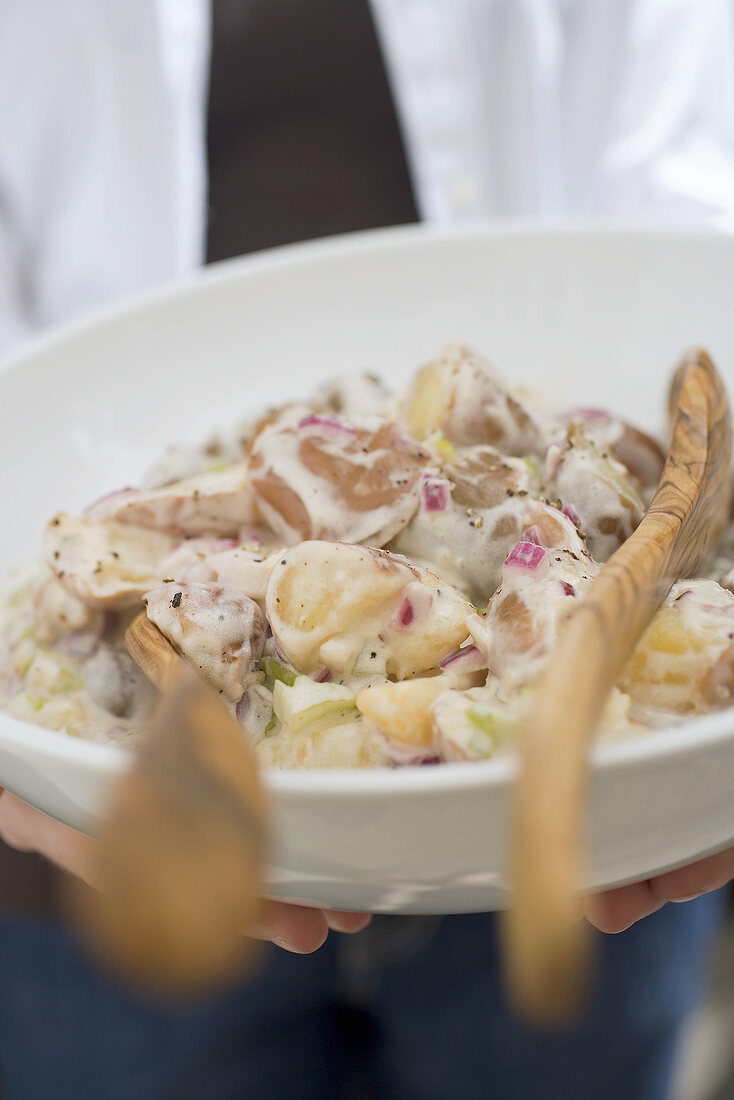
point(595, 315)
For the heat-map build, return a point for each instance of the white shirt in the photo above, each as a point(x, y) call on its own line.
point(611, 108)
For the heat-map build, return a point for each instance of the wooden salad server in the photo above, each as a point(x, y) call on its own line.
point(546, 942)
point(179, 863)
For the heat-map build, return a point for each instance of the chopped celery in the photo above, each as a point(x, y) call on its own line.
point(306, 703)
point(67, 681)
point(35, 701)
point(533, 466)
point(19, 595)
point(445, 448)
point(277, 670)
point(484, 739)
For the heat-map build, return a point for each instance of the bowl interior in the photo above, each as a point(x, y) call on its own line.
point(589, 316)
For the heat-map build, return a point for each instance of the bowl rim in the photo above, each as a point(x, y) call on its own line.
point(341, 245)
point(664, 744)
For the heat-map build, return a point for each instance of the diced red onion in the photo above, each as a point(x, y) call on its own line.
point(81, 644)
point(217, 546)
point(115, 732)
point(415, 603)
point(325, 424)
point(243, 708)
point(588, 414)
point(248, 534)
point(107, 505)
point(403, 757)
point(570, 511)
point(405, 612)
point(568, 588)
point(683, 595)
point(533, 535)
point(108, 624)
point(466, 659)
point(435, 494)
point(553, 459)
point(199, 572)
point(273, 646)
point(321, 675)
point(526, 557)
point(253, 716)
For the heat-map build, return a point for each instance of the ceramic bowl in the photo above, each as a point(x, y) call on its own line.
point(592, 315)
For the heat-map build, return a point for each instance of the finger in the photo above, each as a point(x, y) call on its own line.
point(26, 828)
point(697, 878)
point(340, 921)
point(616, 910)
point(293, 927)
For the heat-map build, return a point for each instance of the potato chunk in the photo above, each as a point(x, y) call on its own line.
point(105, 564)
point(599, 489)
point(323, 477)
point(218, 503)
point(218, 630)
point(461, 396)
point(336, 606)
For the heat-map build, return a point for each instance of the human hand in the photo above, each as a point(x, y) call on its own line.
point(295, 928)
point(616, 910)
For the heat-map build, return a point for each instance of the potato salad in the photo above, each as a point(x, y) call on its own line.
point(366, 579)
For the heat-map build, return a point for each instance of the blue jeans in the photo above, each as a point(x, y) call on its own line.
point(434, 1024)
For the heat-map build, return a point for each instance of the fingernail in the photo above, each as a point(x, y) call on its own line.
point(286, 946)
point(348, 926)
point(689, 897)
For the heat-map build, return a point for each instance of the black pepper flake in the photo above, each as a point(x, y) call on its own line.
point(57, 555)
point(510, 492)
point(283, 562)
point(522, 492)
point(176, 601)
point(373, 654)
point(114, 554)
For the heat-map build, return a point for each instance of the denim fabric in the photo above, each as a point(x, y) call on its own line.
point(436, 1025)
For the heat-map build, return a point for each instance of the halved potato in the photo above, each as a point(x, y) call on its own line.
point(461, 396)
point(219, 631)
point(323, 477)
point(403, 710)
point(581, 473)
point(105, 564)
point(218, 503)
point(331, 604)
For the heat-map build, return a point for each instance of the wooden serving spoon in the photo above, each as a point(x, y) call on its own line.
point(179, 863)
point(547, 944)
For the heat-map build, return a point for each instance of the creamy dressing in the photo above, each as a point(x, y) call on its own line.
point(259, 555)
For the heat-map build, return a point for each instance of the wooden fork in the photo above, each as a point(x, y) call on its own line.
point(179, 864)
point(546, 942)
